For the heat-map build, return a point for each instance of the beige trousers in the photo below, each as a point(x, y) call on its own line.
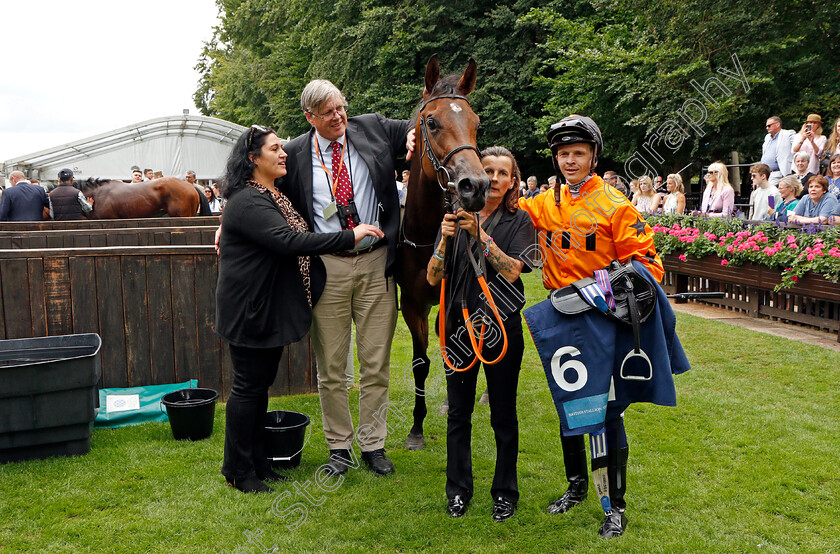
point(356, 291)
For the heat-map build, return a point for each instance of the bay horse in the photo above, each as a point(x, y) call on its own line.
point(446, 163)
point(118, 200)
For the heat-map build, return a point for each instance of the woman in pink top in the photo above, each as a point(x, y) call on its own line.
point(811, 140)
point(719, 196)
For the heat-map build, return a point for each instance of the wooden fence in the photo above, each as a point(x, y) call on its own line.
point(814, 301)
point(152, 301)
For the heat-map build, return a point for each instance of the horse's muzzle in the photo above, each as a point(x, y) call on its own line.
point(472, 192)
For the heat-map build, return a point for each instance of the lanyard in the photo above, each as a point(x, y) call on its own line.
point(333, 183)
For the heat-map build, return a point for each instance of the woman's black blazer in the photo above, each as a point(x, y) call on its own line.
point(260, 298)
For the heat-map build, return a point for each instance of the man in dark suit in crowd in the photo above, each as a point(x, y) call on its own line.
point(341, 173)
point(23, 201)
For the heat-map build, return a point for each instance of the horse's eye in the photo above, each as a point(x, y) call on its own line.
point(430, 121)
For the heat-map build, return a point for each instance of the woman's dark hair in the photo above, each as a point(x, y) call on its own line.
point(511, 198)
point(240, 167)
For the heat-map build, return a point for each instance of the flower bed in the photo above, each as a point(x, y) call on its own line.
point(793, 252)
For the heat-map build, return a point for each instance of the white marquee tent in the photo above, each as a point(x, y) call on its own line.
point(171, 145)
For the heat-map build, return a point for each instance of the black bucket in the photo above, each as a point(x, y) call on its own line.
point(191, 413)
point(284, 437)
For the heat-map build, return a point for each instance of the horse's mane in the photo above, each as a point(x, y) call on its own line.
point(91, 183)
point(445, 85)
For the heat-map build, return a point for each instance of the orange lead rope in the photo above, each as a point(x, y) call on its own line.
point(442, 332)
point(477, 346)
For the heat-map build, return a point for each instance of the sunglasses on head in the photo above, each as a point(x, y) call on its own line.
point(259, 128)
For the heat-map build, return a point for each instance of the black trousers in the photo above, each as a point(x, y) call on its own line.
point(254, 370)
point(502, 381)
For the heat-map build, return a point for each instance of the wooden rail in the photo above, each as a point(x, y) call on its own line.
point(153, 303)
point(814, 301)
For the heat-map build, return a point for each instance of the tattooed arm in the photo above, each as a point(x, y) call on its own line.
point(434, 270)
point(506, 266)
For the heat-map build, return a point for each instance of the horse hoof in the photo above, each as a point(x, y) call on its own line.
point(444, 408)
point(415, 442)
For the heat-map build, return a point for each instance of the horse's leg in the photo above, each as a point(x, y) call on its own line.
point(417, 320)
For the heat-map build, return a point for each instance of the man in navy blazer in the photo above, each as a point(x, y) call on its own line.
point(23, 201)
point(359, 284)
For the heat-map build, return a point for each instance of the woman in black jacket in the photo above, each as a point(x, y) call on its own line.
point(263, 298)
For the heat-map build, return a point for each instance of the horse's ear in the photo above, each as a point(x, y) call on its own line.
point(467, 82)
point(432, 75)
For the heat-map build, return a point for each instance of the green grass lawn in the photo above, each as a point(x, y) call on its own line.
point(747, 462)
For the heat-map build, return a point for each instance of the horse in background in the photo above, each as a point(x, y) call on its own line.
point(119, 200)
point(446, 163)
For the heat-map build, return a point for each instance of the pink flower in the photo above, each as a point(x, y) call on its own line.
point(682, 257)
point(724, 262)
point(730, 248)
point(795, 279)
point(810, 257)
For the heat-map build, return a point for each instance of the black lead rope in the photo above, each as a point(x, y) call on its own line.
point(479, 267)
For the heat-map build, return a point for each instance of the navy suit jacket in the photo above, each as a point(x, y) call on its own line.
point(378, 140)
point(23, 202)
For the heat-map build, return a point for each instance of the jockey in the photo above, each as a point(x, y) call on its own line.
point(583, 226)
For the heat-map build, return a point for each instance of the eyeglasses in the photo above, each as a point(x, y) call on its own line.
point(259, 128)
point(330, 114)
point(754, 175)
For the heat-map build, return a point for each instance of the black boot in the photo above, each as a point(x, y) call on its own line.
point(615, 523)
point(577, 473)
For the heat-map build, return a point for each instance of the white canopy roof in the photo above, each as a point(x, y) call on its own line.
point(171, 145)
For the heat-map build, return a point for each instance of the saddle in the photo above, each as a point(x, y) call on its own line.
point(634, 297)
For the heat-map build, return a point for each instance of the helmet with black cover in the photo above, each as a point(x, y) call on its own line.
point(575, 129)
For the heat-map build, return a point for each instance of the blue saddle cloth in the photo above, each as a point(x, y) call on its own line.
point(584, 355)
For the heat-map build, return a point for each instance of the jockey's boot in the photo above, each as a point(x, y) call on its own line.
point(615, 522)
point(577, 473)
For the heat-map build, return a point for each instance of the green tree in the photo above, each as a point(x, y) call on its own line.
point(264, 52)
point(633, 65)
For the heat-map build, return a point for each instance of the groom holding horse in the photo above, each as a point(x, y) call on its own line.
point(340, 174)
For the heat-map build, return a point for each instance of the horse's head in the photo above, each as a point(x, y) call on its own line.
point(447, 127)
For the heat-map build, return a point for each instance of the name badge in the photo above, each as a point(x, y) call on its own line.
point(330, 210)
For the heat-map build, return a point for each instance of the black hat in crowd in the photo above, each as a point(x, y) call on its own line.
point(65, 174)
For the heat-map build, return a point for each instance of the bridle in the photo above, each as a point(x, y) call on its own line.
point(442, 174)
point(444, 178)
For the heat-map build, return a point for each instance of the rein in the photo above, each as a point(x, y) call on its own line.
point(478, 269)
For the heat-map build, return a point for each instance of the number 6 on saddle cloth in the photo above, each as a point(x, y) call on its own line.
point(607, 339)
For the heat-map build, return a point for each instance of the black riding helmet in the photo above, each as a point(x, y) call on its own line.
point(573, 130)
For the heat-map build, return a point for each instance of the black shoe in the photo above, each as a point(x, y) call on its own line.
point(503, 509)
point(250, 484)
point(271, 476)
point(457, 506)
point(575, 494)
point(338, 462)
point(378, 462)
point(614, 525)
